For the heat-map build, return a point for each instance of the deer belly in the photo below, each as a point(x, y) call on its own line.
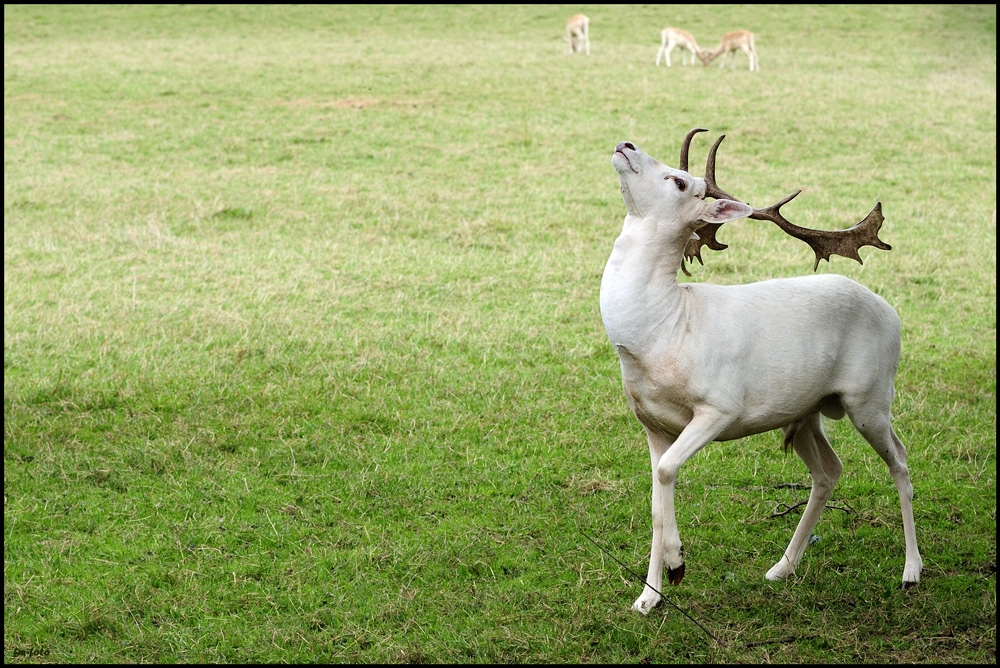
point(658, 392)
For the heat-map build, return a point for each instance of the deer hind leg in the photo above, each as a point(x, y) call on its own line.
point(811, 445)
point(877, 429)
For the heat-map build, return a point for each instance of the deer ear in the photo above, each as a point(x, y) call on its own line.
point(724, 210)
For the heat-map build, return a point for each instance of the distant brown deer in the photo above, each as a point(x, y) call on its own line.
point(739, 40)
point(675, 37)
point(578, 33)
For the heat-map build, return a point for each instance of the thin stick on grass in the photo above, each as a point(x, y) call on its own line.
point(664, 596)
point(788, 509)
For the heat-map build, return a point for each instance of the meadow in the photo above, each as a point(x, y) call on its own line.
point(303, 359)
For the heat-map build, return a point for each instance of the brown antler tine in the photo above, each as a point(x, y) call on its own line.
point(712, 188)
point(687, 145)
point(773, 214)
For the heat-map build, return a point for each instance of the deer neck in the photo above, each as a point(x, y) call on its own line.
point(641, 301)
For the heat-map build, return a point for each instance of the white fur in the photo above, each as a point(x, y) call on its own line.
point(703, 363)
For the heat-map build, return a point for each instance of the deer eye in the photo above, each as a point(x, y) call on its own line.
point(681, 185)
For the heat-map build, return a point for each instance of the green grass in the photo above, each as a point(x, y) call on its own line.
point(303, 360)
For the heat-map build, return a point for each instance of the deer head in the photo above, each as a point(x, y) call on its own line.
point(824, 243)
point(653, 190)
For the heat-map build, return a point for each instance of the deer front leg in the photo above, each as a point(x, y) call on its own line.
point(812, 446)
point(667, 549)
point(650, 598)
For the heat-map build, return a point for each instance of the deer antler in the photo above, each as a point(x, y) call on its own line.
point(823, 242)
point(686, 146)
point(706, 237)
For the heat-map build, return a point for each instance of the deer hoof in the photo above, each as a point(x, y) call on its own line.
point(650, 599)
point(646, 602)
point(674, 575)
point(779, 571)
point(908, 585)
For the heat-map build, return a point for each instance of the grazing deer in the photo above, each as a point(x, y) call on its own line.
point(675, 37)
point(578, 33)
point(740, 40)
point(703, 363)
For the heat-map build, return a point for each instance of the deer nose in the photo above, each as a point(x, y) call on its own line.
point(625, 144)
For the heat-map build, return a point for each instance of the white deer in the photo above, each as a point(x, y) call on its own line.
point(675, 37)
point(739, 40)
point(578, 33)
point(703, 363)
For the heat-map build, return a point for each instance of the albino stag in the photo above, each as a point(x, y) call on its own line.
point(675, 37)
point(578, 33)
point(739, 40)
point(703, 363)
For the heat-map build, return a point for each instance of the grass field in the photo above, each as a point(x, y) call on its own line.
point(303, 360)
